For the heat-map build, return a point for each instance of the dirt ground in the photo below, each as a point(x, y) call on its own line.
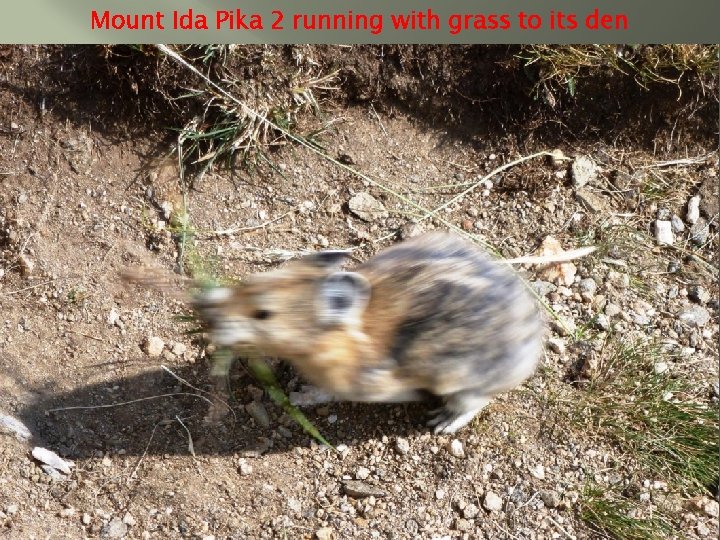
point(83, 195)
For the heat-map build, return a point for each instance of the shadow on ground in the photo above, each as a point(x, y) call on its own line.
point(153, 413)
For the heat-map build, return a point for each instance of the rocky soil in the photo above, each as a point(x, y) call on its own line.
point(107, 378)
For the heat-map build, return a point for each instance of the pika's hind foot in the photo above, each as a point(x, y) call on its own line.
point(459, 410)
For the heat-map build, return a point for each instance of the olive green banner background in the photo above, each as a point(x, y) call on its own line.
point(658, 21)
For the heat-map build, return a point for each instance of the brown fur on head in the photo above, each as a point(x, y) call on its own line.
point(287, 311)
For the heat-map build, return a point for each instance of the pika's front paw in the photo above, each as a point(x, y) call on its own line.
point(310, 395)
point(458, 412)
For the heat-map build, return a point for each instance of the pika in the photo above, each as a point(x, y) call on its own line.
point(434, 314)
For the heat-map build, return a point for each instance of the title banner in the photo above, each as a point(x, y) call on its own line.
point(360, 21)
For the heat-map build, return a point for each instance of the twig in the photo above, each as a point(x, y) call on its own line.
point(86, 335)
point(110, 405)
point(672, 162)
point(235, 230)
point(137, 465)
point(372, 108)
point(28, 288)
point(483, 179)
point(561, 529)
point(191, 448)
point(183, 381)
point(546, 259)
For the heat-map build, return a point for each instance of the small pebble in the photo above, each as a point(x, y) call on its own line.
point(660, 368)
point(612, 310)
point(244, 467)
point(362, 473)
point(712, 509)
point(699, 232)
point(27, 265)
point(153, 346)
point(677, 224)
point(558, 158)
point(259, 413)
point(402, 445)
point(359, 489)
point(587, 288)
point(583, 171)
point(550, 498)
point(178, 349)
point(115, 529)
point(470, 511)
point(693, 210)
point(698, 294)
point(492, 502)
point(694, 316)
point(456, 448)
point(326, 533)
point(663, 233)
point(538, 472)
point(556, 345)
point(602, 322)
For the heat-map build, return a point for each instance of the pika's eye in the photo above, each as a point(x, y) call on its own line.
point(262, 314)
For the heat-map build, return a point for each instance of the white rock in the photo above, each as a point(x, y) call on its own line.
point(244, 467)
point(470, 511)
point(439, 494)
point(178, 349)
point(693, 209)
point(326, 533)
point(402, 445)
point(128, 519)
point(677, 224)
point(712, 509)
point(583, 171)
point(154, 346)
point(663, 233)
point(660, 368)
point(492, 502)
point(456, 448)
point(367, 207)
point(538, 472)
point(113, 317)
point(556, 345)
point(694, 316)
point(362, 473)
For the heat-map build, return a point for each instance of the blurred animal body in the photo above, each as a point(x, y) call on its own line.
point(434, 314)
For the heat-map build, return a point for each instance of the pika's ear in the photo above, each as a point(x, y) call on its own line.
point(330, 258)
point(343, 297)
